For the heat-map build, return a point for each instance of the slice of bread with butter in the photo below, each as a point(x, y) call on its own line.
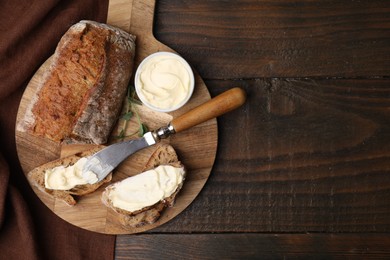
point(140, 199)
point(62, 178)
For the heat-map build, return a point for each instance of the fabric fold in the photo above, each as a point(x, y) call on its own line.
point(29, 33)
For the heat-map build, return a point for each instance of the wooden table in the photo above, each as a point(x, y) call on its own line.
point(303, 168)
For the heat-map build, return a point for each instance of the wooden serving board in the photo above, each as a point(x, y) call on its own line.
point(196, 147)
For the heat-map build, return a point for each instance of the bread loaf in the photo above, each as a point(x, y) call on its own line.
point(36, 177)
point(83, 90)
point(163, 155)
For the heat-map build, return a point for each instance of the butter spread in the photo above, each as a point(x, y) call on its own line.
point(147, 188)
point(164, 81)
point(67, 177)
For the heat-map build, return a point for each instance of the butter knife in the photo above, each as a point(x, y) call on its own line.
point(106, 160)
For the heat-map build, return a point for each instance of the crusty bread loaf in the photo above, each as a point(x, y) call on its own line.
point(36, 177)
point(82, 92)
point(163, 155)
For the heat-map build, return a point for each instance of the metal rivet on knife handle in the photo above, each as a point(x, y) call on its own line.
point(219, 105)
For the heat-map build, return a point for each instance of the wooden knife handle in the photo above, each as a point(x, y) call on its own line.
point(219, 105)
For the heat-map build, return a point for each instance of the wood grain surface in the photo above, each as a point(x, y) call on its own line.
point(308, 152)
point(196, 147)
point(267, 38)
point(253, 246)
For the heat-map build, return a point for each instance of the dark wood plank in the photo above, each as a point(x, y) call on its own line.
point(253, 246)
point(251, 39)
point(299, 156)
point(309, 150)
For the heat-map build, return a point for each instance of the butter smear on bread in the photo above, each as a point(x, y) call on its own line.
point(68, 177)
point(147, 188)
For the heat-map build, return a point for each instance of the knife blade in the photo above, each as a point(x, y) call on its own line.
point(106, 160)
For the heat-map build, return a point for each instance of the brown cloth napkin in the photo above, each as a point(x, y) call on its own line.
point(29, 33)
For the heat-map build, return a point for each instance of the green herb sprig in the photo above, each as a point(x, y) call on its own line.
point(130, 111)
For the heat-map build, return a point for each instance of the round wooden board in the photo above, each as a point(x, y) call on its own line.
point(196, 147)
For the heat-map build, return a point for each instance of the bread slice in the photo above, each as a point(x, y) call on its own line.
point(163, 155)
point(80, 95)
point(37, 178)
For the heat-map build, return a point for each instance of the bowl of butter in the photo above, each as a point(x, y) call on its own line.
point(164, 81)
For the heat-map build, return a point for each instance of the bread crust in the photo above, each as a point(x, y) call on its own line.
point(82, 92)
point(163, 155)
point(36, 177)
